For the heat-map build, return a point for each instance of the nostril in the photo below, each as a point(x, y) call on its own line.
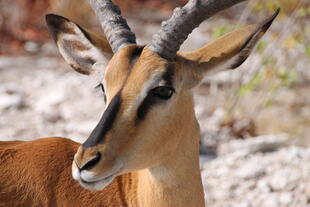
point(91, 163)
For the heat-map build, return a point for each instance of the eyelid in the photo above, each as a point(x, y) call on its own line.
point(168, 86)
point(164, 83)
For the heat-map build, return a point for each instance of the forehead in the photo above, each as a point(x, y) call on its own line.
point(132, 66)
point(130, 75)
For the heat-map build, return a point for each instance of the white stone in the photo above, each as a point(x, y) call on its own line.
point(286, 198)
point(250, 171)
point(10, 101)
point(270, 202)
point(279, 181)
point(253, 145)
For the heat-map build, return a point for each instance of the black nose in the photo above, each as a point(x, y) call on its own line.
point(91, 163)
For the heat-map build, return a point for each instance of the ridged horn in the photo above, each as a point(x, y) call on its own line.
point(167, 41)
point(114, 26)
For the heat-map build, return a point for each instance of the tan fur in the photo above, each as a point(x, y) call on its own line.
point(155, 158)
point(226, 45)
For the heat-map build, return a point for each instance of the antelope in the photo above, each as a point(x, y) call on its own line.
point(144, 151)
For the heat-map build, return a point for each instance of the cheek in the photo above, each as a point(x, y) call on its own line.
point(155, 140)
point(150, 140)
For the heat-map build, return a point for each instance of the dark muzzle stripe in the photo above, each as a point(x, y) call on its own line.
point(105, 123)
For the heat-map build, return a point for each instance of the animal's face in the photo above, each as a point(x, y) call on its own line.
point(148, 95)
point(146, 100)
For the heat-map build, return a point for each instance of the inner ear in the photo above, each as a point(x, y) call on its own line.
point(80, 48)
point(226, 53)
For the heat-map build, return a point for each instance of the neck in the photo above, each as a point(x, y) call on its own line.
point(177, 181)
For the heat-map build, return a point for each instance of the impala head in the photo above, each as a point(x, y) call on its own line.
point(148, 97)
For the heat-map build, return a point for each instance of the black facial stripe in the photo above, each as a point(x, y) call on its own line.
point(168, 75)
point(146, 105)
point(150, 99)
point(137, 51)
point(135, 56)
point(105, 123)
point(108, 117)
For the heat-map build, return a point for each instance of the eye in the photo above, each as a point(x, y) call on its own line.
point(163, 92)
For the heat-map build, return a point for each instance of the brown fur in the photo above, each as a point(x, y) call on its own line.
point(38, 173)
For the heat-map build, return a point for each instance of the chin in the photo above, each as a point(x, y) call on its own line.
point(97, 185)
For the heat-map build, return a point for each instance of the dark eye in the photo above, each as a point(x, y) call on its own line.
point(163, 92)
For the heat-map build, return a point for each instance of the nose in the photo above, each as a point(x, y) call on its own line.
point(91, 163)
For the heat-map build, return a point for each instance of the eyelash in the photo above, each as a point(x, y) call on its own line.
point(100, 85)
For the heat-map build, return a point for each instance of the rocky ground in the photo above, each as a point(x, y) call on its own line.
point(41, 96)
point(258, 172)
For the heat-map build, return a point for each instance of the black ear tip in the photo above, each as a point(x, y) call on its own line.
point(54, 22)
point(275, 13)
point(54, 19)
point(50, 17)
point(267, 22)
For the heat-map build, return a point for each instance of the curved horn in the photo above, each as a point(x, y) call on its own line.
point(113, 24)
point(167, 41)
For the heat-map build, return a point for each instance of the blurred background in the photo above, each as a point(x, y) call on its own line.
point(255, 121)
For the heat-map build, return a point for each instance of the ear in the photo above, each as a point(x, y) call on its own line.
point(83, 50)
point(227, 52)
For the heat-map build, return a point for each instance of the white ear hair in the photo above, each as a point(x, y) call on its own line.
point(82, 49)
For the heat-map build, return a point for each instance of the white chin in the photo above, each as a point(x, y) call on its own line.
point(97, 185)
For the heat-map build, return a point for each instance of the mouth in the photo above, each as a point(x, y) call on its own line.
point(100, 183)
point(97, 185)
